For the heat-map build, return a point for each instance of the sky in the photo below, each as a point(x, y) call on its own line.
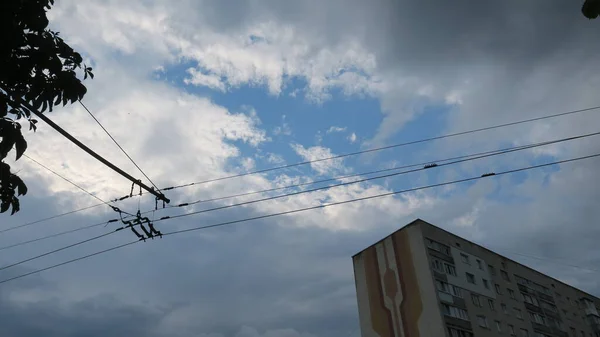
point(196, 90)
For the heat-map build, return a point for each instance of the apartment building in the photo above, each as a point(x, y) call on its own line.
point(423, 281)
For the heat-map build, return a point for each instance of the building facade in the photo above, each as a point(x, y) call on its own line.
point(423, 281)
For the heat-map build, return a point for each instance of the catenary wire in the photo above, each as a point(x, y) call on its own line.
point(501, 151)
point(376, 196)
point(57, 250)
point(323, 159)
point(452, 160)
point(65, 179)
point(355, 181)
point(118, 145)
point(307, 209)
point(386, 147)
point(56, 216)
point(69, 261)
point(14, 245)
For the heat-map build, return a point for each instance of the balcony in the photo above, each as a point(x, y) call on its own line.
point(542, 328)
point(441, 256)
point(445, 297)
point(533, 308)
point(559, 333)
point(545, 297)
point(591, 311)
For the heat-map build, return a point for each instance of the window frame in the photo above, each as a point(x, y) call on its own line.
point(465, 258)
point(476, 300)
point(485, 322)
point(471, 277)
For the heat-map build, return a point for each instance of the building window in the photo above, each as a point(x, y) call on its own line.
point(456, 291)
point(511, 330)
point(498, 326)
point(442, 286)
point(464, 258)
point(491, 304)
point(498, 289)
point(518, 313)
point(470, 278)
point(453, 332)
point(492, 269)
point(549, 306)
point(482, 322)
point(437, 265)
point(504, 309)
point(486, 284)
point(503, 264)
point(448, 288)
point(475, 299)
point(531, 300)
point(442, 248)
point(455, 312)
point(479, 265)
point(450, 269)
point(511, 293)
point(504, 275)
point(524, 333)
point(537, 318)
point(573, 332)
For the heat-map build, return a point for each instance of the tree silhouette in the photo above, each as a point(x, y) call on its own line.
point(591, 9)
point(37, 68)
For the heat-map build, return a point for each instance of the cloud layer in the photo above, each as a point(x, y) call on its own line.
point(467, 65)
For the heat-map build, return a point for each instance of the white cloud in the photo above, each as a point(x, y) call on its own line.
point(211, 81)
point(283, 129)
point(275, 158)
point(352, 138)
point(333, 129)
point(317, 153)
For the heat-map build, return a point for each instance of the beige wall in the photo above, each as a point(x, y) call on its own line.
point(395, 290)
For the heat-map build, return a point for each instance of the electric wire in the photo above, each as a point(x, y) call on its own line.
point(65, 179)
point(472, 156)
point(330, 158)
point(386, 147)
point(370, 197)
point(57, 250)
point(118, 145)
point(307, 209)
point(55, 216)
point(14, 245)
point(426, 167)
point(452, 160)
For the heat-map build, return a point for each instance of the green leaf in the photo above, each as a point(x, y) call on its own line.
point(16, 206)
point(20, 145)
point(4, 206)
point(21, 187)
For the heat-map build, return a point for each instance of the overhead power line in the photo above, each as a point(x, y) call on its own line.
point(345, 155)
point(308, 209)
point(371, 197)
point(472, 156)
point(118, 145)
point(55, 216)
point(385, 147)
point(422, 168)
point(56, 250)
point(82, 146)
point(54, 235)
point(72, 183)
